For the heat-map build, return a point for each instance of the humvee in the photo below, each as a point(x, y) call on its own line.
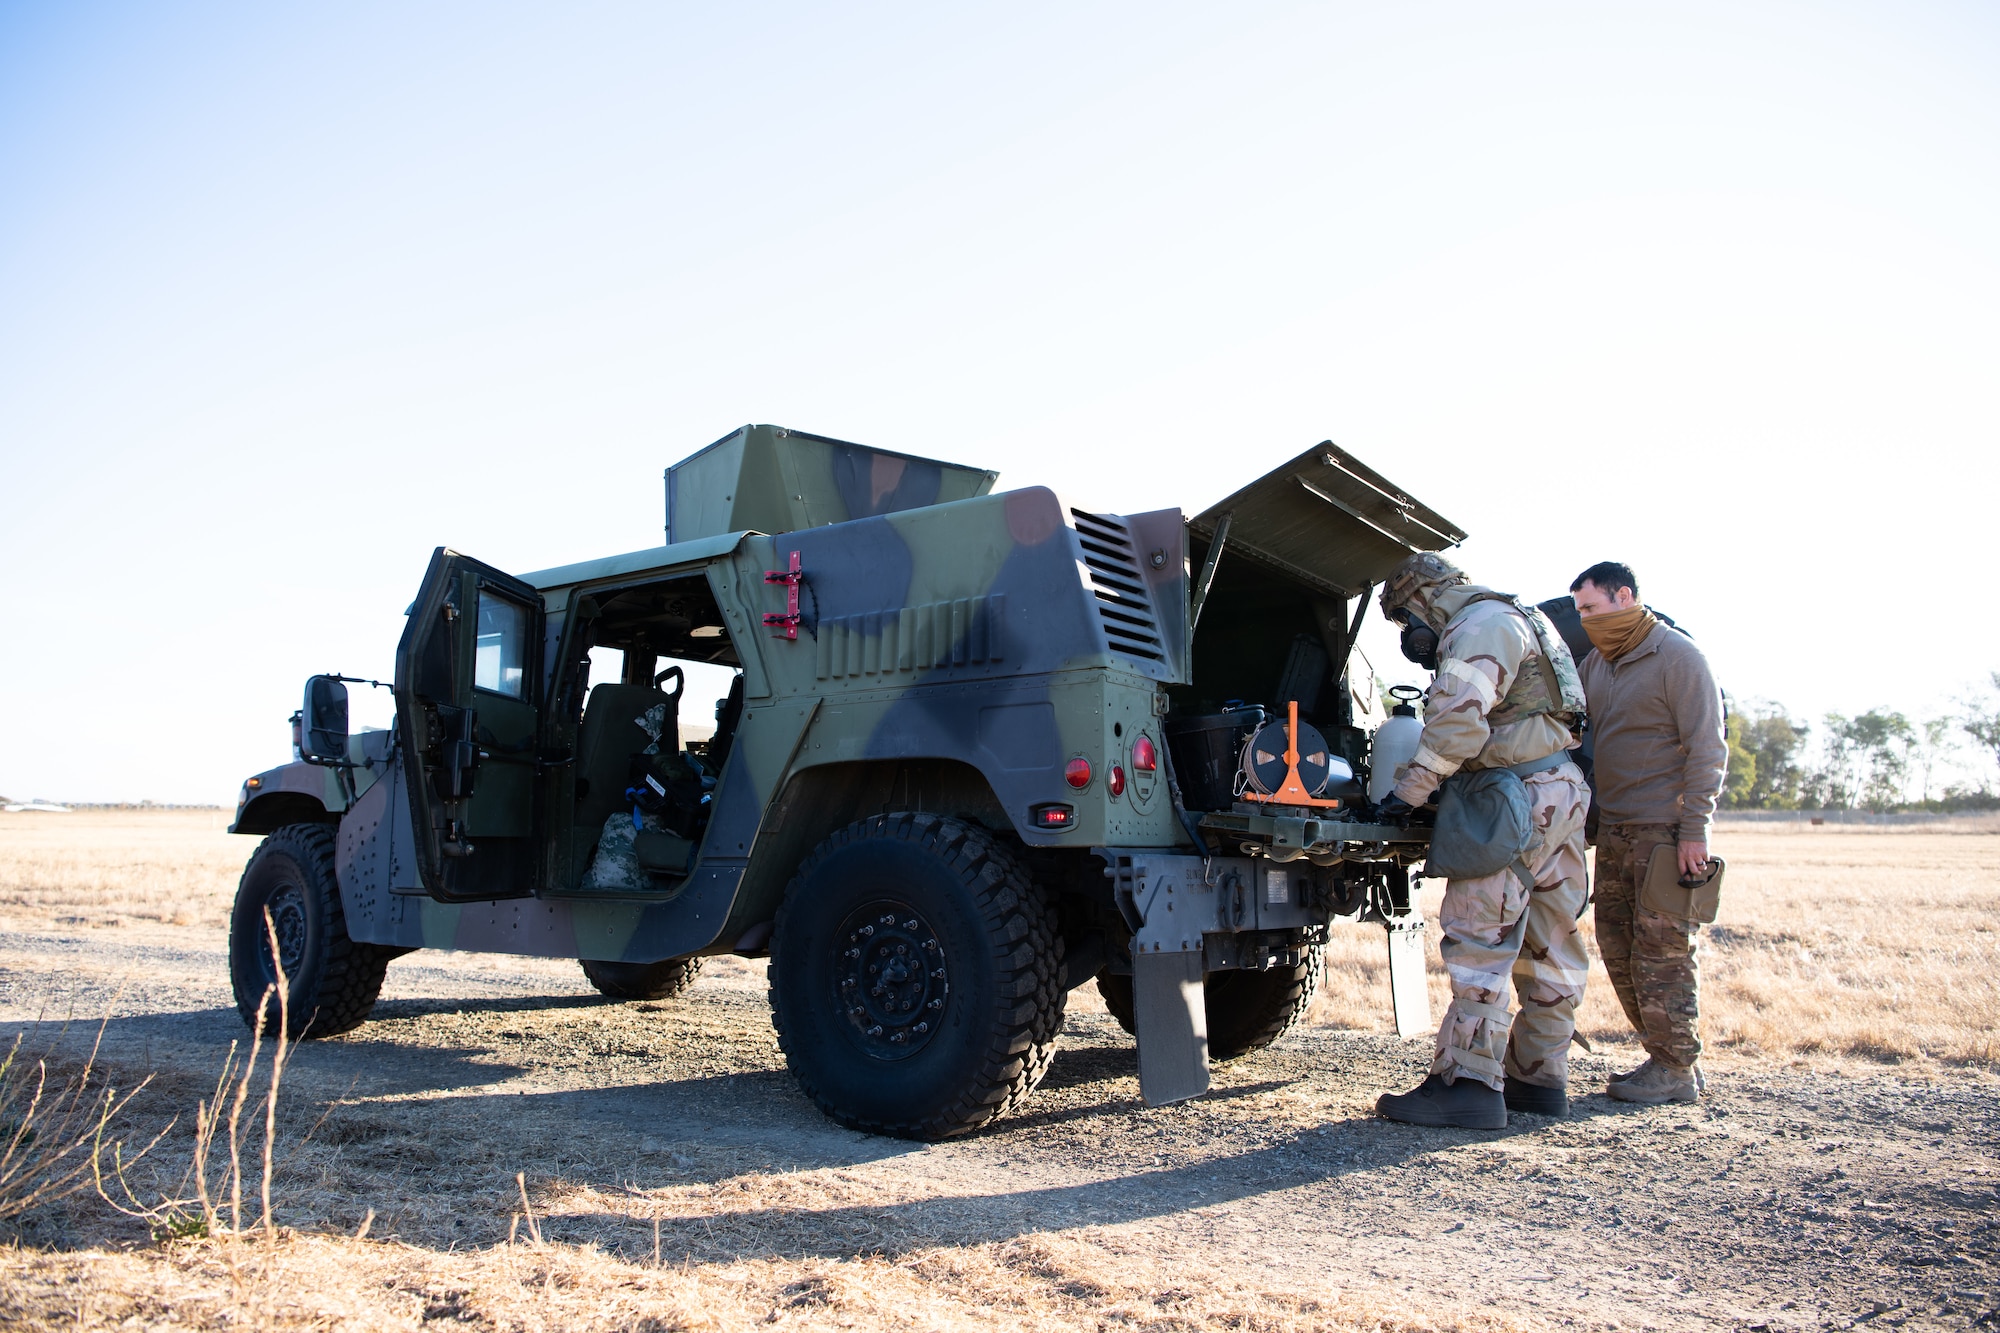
point(977, 749)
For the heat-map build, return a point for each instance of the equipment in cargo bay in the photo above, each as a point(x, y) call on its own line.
point(970, 750)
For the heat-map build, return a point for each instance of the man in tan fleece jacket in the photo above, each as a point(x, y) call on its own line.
point(1656, 720)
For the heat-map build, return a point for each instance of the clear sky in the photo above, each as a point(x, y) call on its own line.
point(291, 294)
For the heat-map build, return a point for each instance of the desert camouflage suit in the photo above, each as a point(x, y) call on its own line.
point(1500, 935)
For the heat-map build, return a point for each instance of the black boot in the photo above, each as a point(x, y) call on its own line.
point(1466, 1104)
point(1534, 1099)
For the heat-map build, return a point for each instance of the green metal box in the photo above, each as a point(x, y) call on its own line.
point(769, 479)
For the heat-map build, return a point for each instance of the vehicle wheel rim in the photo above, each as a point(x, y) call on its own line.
point(890, 979)
point(287, 907)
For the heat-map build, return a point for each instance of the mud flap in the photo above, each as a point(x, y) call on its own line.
point(1407, 989)
point(1170, 1014)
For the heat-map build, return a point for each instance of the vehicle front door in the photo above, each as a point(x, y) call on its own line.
point(467, 691)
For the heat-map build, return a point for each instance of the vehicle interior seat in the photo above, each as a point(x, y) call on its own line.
point(615, 722)
point(728, 713)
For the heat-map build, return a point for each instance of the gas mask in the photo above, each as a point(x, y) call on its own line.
point(1419, 640)
point(1420, 644)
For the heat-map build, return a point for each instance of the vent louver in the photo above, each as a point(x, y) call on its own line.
point(1123, 603)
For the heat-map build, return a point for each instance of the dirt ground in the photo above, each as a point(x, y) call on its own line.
point(1842, 1171)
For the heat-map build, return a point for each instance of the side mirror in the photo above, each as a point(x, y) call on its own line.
point(323, 723)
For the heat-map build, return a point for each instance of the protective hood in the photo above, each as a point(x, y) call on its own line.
point(1443, 604)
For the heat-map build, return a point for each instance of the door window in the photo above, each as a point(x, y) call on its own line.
point(501, 658)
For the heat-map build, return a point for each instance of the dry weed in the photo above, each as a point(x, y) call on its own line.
point(54, 1117)
point(216, 1185)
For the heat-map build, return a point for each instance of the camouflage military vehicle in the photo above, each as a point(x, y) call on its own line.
point(978, 749)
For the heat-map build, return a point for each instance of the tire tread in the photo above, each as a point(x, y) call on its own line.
point(1282, 999)
point(646, 981)
point(351, 981)
point(1028, 953)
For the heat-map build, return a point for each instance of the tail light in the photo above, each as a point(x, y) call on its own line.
point(1117, 781)
point(1053, 816)
point(1077, 774)
point(1144, 758)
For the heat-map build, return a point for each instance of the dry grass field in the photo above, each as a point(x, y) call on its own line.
point(674, 1179)
point(1849, 940)
point(103, 868)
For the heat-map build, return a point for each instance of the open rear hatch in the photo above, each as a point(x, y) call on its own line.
point(1327, 520)
point(1274, 630)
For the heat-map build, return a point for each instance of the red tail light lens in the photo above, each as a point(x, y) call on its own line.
point(1117, 782)
point(1144, 759)
point(1078, 773)
point(1054, 816)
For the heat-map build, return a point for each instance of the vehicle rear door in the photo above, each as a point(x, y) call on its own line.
point(467, 709)
point(1326, 520)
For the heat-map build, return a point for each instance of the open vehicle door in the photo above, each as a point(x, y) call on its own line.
point(467, 710)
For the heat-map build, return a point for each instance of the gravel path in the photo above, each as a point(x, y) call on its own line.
point(1794, 1197)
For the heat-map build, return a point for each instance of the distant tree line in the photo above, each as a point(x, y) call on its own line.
point(1880, 760)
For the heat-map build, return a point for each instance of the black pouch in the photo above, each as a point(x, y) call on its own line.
point(670, 788)
point(1484, 825)
point(662, 853)
point(1665, 892)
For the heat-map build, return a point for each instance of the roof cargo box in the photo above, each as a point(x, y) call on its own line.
point(769, 479)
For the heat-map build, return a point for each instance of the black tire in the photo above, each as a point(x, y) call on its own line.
point(642, 981)
point(333, 981)
point(935, 1049)
point(1116, 990)
point(1247, 1011)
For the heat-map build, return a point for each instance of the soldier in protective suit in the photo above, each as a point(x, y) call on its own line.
point(1505, 696)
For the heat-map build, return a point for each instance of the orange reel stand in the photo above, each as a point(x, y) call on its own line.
point(1291, 791)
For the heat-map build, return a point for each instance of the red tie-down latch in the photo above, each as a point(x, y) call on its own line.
point(786, 621)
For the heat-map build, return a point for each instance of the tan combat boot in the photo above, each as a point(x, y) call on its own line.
point(1655, 1082)
point(1700, 1079)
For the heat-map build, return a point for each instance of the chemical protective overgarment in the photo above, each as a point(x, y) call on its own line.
point(1496, 703)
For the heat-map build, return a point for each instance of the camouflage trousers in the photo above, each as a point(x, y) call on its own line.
point(1499, 936)
point(1649, 955)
